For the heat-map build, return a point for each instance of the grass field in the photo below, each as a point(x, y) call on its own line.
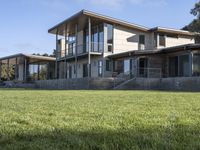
point(95, 120)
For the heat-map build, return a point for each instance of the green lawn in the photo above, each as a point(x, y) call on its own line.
point(95, 120)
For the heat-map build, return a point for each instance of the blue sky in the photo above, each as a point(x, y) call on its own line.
point(24, 23)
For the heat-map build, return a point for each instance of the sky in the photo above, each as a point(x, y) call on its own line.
point(24, 24)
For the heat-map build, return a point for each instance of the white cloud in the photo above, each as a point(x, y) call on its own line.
point(107, 3)
point(113, 4)
point(149, 3)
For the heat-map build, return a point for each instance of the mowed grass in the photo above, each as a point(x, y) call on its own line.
point(95, 120)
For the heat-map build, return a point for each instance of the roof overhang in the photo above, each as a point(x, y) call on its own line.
point(187, 47)
point(36, 58)
point(173, 31)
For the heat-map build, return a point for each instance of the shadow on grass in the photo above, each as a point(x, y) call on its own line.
point(177, 137)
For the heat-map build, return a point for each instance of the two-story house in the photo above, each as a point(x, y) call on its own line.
point(93, 45)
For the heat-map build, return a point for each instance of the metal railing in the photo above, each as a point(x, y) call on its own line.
point(121, 78)
point(97, 47)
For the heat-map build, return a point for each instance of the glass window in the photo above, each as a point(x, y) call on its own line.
point(142, 39)
point(184, 67)
point(126, 66)
point(108, 65)
point(101, 38)
point(162, 40)
point(100, 68)
point(173, 66)
point(196, 65)
point(110, 37)
point(95, 39)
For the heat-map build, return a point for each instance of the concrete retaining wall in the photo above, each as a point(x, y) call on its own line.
point(168, 84)
point(76, 84)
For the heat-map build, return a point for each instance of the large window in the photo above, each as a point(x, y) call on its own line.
point(179, 66)
point(173, 66)
point(110, 37)
point(38, 72)
point(184, 67)
point(97, 39)
point(196, 65)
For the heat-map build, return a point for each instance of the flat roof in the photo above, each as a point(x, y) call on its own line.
point(120, 22)
point(29, 56)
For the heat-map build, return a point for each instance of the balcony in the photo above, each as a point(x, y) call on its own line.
point(96, 48)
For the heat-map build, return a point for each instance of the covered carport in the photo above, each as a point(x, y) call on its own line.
point(24, 67)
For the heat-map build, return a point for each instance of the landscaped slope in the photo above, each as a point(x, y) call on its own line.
point(99, 120)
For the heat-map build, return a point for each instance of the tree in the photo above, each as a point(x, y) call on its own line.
point(11, 72)
point(194, 26)
point(196, 10)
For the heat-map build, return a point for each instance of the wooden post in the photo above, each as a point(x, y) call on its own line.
point(89, 47)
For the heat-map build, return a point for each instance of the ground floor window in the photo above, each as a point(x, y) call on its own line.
point(85, 70)
point(100, 68)
point(173, 66)
point(184, 66)
point(143, 65)
point(127, 66)
point(196, 65)
point(108, 65)
point(70, 72)
point(38, 72)
point(179, 66)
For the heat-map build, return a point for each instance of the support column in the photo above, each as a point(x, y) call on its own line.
point(131, 68)
point(65, 63)
point(16, 69)
point(89, 47)
point(7, 70)
point(191, 64)
point(38, 72)
point(25, 69)
point(76, 60)
point(158, 40)
point(56, 65)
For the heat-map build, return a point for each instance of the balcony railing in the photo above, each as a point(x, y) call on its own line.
point(96, 47)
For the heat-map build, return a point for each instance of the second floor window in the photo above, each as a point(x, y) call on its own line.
point(142, 39)
point(110, 37)
point(162, 40)
point(141, 42)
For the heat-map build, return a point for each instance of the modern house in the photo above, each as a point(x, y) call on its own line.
point(93, 45)
point(93, 50)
